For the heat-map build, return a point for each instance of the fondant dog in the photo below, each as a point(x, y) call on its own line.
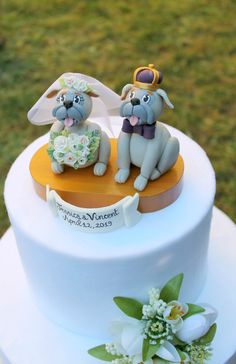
point(74, 140)
point(143, 140)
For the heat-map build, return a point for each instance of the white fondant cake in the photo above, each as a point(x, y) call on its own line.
point(74, 276)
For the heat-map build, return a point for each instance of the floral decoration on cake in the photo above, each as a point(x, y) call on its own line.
point(74, 83)
point(163, 330)
point(73, 149)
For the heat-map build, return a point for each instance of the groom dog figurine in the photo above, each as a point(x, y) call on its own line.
point(143, 141)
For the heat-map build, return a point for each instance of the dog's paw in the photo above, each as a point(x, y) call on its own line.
point(122, 175)
point(99, 169)
point(140, 183)
point(57, 168)
point(155, 174)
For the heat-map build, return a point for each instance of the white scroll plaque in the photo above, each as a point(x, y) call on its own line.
point(96, 220)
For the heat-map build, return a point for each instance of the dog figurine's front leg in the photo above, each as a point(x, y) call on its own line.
point(123, 157)
point(147, 167)
point(104, 155)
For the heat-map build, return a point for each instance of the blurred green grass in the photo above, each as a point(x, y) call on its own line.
point(193, 43)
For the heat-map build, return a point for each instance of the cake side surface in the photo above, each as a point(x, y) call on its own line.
point(75, 275)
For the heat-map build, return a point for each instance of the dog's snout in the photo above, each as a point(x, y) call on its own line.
point(135, 101)
point(68, 104)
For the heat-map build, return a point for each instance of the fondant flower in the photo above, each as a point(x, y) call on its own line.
point(173, 314)
point(58, 156)
point(154, 295)
point(70, 159)
point(82, 161)
point(85, 152)
point(83, 86)
point(73, 142)
point(196, 326)
point(72, 82)
point(84, 140)
point(128, 336)
point(61, 144)
point(168, 352)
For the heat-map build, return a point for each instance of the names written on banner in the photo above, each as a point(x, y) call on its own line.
point(87, 220)
point(102, 219)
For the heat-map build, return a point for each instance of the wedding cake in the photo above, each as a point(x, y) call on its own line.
point(75, 274)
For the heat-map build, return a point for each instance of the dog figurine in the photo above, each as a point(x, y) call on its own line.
point(74, 140)
point(143, 141)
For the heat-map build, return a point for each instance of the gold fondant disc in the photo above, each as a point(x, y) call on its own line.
point(82, 188)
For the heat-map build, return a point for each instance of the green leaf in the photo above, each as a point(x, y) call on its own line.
point(170, 292)
point(100, 352)
point(129, 306)
point(192, 310)
point(181, 354)
point(178, 342)
point(208, 337)
point(149, 350)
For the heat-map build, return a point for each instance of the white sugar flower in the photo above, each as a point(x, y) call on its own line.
point(70, 159)
point(72, 82)
point(61, 144)
point(67, 81)
point(173, 314)
point(196, 326)
point(73, 142)
point(154, 295)
point(83, 86)
point(84, 140)
point(168, 352)
point(58, 156)
point(85, 152)
point(148, 311)
point(128, 336)
point(82, 161)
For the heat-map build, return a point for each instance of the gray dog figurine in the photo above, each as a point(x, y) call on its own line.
point(74, 140)
point(143, 141)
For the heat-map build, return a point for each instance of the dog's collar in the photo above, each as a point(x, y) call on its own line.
point(147, 131)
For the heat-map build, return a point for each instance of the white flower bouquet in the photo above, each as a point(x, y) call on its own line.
point(162, 331)
point(72, 149)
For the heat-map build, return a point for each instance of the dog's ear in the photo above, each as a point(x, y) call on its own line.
point(125, 90)
point(92, 94)
point(52, 94)
point(163, 94)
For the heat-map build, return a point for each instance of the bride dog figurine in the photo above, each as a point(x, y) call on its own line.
point(75, 141)
point(143, 141)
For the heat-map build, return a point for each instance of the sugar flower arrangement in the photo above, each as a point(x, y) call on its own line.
point(72, 82)
point(162, 331)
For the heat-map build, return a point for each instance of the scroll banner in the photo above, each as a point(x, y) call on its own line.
point(96, 220)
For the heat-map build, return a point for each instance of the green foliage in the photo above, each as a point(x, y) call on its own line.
point(149, 350)
point(129, 306)
point(193, 309)
point(170, 291)
point(193, 43)
point(100, 352)
point(209, 336)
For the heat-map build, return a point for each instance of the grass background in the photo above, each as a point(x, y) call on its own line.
point(192, 42)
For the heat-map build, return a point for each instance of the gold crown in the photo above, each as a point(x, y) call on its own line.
point(156, 80)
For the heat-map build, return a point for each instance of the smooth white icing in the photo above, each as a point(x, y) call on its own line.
point(75, 275)
point(27, 337)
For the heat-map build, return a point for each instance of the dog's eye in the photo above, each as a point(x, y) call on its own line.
point(131, 95)
point(61, 98)
point(77, 99)
point(146, 98)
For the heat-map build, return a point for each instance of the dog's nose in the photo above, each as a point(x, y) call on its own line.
point(68, 104)
point(135, 101)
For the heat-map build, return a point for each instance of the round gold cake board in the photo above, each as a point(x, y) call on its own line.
point(82, 188)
